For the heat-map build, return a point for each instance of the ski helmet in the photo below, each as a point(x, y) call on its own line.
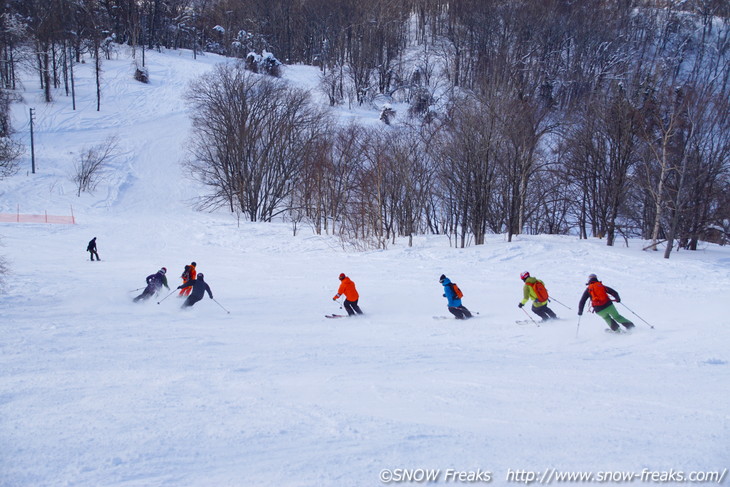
point(201, 275)
point(342, 276)
point(442, 278)
point(164, 270)
point(524, 275)
point(193, 264)
point(592, 277)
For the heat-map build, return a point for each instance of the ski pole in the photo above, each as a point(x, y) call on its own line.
point(138, 289)
point(578, 327)
point(336, 301)
point(642, 319)
point(553, 299)
point(224, 309)
point(171, 293)
point(531, 318)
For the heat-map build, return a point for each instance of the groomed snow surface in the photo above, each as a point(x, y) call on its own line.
point(98, 391)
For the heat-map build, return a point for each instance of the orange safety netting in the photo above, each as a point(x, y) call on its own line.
point(20, 218)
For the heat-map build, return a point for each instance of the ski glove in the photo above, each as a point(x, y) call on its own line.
point(580, 313)
point(618, 300)
point(520, 305)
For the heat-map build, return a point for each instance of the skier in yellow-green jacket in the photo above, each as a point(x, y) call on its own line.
point(535, 289)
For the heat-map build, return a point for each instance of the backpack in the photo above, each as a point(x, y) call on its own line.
point(540, 291)
point(457, 292)
point(598, 294)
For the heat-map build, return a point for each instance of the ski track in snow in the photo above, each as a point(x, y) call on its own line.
point(95, 390)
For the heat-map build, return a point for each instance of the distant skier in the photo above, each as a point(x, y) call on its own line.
point(453, 295)
point(535, 289)
point(347, 287)
point(154, 284)
point(199, 288)
point(188, 274)
point(602, 304)
point(91, 249)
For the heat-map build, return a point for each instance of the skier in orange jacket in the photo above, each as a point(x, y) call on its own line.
point(189, 274)
point(347, 287)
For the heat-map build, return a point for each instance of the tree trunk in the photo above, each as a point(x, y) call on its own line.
point(657, 218)
point(658, 207)
point(71, 74)
point(677, 209)
point(97, 72)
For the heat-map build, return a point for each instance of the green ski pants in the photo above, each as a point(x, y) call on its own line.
point(611, 313)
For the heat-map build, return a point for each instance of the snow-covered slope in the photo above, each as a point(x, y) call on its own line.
point(98, 391)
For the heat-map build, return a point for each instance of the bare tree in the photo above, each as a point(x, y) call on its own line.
point(252, 136)
point(414, 179)
point(13, 30)
point(331, 83)
point(10, 150)
point(694, 187)
point(89, 170)
point(467, 152)
point(663, 132)
point(328, 186)
point(523, 123)
point(42, 17)
point(603, 147)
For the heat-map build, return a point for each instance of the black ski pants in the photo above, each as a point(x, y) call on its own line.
point(460, 312)
point(352, 307)
point(191, 300)
point(146, 294)
point(544, 312)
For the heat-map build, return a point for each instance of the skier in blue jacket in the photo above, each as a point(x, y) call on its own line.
point(454, 302)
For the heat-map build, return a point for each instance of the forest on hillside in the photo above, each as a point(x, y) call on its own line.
point(599, 118)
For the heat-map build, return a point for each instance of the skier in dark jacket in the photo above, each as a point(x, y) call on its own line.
point(602, 304)
point(200, 287)
point(154, 284)
point(454, 302)
point(91, 249)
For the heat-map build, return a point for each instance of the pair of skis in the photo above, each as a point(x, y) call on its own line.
point(536, 322)
point(620, 331)
point(474, 315)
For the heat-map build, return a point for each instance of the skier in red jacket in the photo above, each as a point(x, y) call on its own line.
point(347, 287)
